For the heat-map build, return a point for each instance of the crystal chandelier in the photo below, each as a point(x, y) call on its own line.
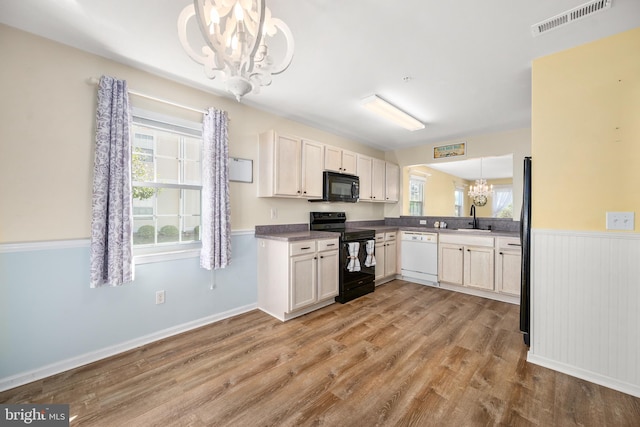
point(235, 36)
point(480, 192)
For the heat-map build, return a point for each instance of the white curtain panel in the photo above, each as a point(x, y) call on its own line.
point(111, 235)
point(216, 211)
point(502, 197)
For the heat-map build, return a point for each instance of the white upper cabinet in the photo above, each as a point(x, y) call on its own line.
point(377, 180)
point(339, 160)
point(289, 166)
point(392, 182)
point(364, 173)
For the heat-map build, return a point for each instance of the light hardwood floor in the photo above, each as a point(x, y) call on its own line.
point(406, 355)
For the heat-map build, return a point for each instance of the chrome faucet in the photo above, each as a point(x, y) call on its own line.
point(474, 224)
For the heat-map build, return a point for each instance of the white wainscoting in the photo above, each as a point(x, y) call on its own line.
point(585, 313)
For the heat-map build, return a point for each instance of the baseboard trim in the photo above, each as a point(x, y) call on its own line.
point(583, 374)
point(94, 356)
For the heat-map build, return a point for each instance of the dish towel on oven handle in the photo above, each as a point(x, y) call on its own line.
point(354, 262)
point(370, 261)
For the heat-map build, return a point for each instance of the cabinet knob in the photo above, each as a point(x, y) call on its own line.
point(321, 257)
point(501, 253)
point(298, 191)
point(468, 250)
point(304, 192)
point(460, 249)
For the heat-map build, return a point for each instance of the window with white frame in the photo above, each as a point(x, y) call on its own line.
point(166, 179)
point(502, 204)
point(458, 196)
point(416, 195)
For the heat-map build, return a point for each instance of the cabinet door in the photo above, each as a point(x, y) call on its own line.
point(349, 162)
point(390, 258)
point(302, 285)
point(450, 263)
point(508, 272)
point(328, 266)
point(312, 153)
point(392, 182)
point(287, 166)
point(377, 180)
point(380, 260)
point(332, 159)
point(479, 267)
point(364, 172)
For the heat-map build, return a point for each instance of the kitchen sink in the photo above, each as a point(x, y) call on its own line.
point(473, 229)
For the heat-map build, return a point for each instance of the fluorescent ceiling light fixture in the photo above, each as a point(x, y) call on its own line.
point(390, 112)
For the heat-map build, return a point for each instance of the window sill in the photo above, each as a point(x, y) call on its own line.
point(148, 257)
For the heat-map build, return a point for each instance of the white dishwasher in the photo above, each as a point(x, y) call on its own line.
point(419, 256)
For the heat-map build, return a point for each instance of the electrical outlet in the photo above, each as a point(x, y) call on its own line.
point(620, 221)
point(274, 213)
point(160, 297)
point(423, 222)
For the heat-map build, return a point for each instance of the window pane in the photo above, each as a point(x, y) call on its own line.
point(143, 200)
point(191, 204)
point(192, 149)
point(167, 170)
point(168, 201)
point(192, 172)
point(143, 231)
point(191, 228)
point(168, 229)
point(167, 144)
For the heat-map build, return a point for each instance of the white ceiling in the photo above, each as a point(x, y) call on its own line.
point(469, 61)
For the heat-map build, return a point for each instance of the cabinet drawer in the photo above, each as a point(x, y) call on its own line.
point(509, 243)
point(390, 236)
point(461, 239)
point(304, 247)
point(327, 245)
point(379, 237)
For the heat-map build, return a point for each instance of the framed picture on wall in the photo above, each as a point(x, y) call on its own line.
point(452, 150)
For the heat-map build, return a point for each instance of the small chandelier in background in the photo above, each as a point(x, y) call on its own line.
point(480, 192)
point(235, 47)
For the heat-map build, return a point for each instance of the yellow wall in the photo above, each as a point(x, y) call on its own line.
point(48, 131)
point(586, 134)
point(438, 191)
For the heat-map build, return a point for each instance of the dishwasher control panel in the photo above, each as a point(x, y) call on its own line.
point(418, 236)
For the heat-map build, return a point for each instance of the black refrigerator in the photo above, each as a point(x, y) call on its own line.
point(525, 240)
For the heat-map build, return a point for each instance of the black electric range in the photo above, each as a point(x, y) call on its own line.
point(357, 254)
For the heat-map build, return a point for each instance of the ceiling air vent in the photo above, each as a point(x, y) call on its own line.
point(570, 16)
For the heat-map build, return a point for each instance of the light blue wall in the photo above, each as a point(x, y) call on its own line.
point(49, 314)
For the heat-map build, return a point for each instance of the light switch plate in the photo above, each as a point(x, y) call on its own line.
point(620, 221)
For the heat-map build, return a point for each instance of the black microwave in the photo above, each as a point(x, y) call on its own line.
point(339, 187)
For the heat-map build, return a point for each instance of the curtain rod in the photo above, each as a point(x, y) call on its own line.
point(95, 81)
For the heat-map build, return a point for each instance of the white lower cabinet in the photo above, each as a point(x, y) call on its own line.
point(386, 255)
point(295, 278)
point(466, 261)
point(508, 265)
point(480, 265)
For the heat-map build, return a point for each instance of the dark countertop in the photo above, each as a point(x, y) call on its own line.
point(300, 235)
point(315, 235)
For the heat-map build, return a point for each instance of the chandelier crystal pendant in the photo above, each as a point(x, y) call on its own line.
point(480, 192)
point(235, 34)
